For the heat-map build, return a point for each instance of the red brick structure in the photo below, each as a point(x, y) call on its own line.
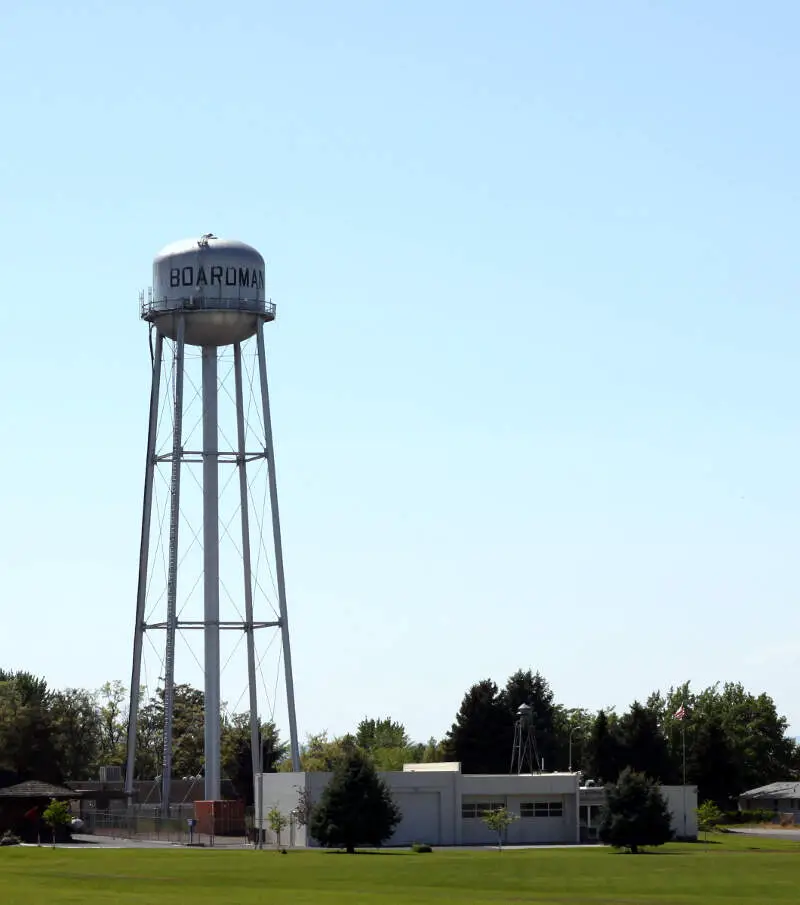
point(220, 818)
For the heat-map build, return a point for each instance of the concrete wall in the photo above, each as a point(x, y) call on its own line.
point(431, 804)
point(675, 802)
point(282, 791)
point(514, 791)
point(679, 804)
point(440, 825)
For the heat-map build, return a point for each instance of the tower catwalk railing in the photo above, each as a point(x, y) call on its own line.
point(151, 308)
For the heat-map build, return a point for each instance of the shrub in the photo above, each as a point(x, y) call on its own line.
point(709, 817)
point(499, 821)
point(421, 848)
point(57, 814)
point(277, 823)
point(754, 816)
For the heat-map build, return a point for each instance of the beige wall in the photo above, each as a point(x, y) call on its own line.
point(674, 797)
point(431, 802)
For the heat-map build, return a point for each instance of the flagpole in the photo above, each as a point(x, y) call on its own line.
point(683, 739)
point(680, 715)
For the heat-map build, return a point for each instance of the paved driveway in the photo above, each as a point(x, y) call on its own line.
point(768, 833)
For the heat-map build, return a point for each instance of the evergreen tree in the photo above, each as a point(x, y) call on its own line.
point(356, 807)
point(711, 763)
point(479, 737)
point(643, 747)
point(635, 813)
point(602, 752)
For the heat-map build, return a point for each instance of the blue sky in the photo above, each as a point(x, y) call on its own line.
point(535, 368)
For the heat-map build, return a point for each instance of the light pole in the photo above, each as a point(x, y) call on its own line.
point(571, 732)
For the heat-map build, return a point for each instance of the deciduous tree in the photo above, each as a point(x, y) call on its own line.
point(237, 757)
point(111, 699)
point(499, 821)
point(76, 731)
point(27, 745)
point(55, 815)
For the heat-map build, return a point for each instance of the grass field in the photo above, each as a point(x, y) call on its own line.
point(730, 870)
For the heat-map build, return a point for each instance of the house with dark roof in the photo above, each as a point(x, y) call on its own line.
point(22, 806)
point(779, 797)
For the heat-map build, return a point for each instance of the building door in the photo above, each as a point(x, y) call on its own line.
point(421, 818)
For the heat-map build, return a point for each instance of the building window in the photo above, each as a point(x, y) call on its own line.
point(541, 809)
point(478, 809)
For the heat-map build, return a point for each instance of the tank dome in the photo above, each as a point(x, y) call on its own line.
point(218, 285)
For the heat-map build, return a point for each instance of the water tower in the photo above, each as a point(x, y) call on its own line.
point(524, 756)
point(207, 301)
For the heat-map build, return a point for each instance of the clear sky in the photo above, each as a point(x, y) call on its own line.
point(535, 369)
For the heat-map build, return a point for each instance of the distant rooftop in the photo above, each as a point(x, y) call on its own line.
point(34, 789)
point(774, 790)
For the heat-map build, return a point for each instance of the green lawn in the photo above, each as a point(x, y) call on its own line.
point(733, 870)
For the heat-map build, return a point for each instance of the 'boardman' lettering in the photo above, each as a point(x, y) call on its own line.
point(248, 277)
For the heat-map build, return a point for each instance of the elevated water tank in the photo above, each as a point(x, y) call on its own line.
point(218, 285)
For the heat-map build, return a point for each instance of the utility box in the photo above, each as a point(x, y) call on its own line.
point(220, 818)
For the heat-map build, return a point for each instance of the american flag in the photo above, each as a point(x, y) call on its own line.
point(680, 713)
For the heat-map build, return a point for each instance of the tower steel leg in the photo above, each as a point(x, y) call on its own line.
point(172, 573)
point(144, 556)
point(211, 573)
point(276, 535)
point(255, 728)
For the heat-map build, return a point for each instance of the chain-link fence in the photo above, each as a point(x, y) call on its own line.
point(180, 828)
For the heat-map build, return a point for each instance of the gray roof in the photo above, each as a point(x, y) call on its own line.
point(34, 789)
point(774, 790)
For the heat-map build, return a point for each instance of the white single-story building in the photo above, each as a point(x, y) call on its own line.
point(443, 806)
point(778, 797)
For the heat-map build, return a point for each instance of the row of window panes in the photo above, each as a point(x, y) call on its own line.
point(478, 809)
point(541, 809)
